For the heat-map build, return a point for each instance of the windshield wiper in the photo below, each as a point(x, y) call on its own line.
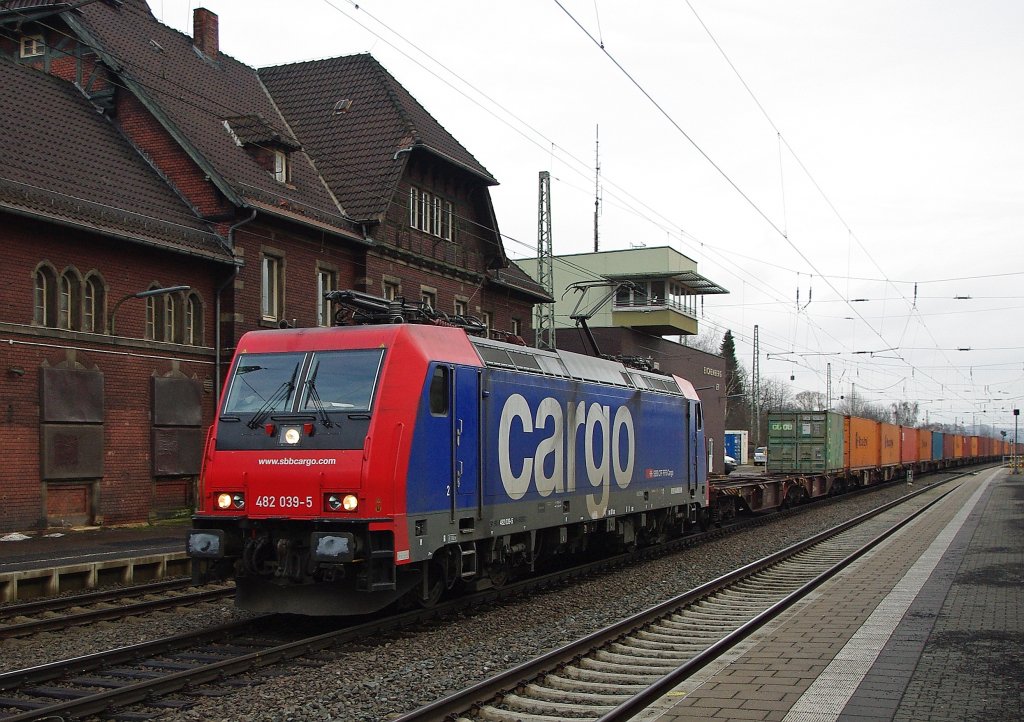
point(318, 404)
point(282, 393)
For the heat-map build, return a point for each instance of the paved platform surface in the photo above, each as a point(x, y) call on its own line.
point(929, 626)
point(56, 548)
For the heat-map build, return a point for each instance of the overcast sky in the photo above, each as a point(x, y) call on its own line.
point(879, 146)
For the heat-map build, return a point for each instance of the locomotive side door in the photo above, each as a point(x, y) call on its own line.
point(466, 441)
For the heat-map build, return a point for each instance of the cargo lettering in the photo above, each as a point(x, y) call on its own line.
point(859, 440)
point(552, 466)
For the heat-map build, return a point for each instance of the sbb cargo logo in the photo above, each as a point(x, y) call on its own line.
point(548, 462)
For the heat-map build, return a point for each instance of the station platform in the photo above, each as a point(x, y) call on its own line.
point(928, 626)
point(45, 563)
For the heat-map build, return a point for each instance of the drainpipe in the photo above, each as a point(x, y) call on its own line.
point(216, 324)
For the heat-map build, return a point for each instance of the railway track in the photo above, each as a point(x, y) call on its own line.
point(153, 672)
point(617, 672)
point(56, 613)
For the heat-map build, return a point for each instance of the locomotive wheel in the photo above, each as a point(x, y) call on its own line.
point(500, 574)
point(435, 586)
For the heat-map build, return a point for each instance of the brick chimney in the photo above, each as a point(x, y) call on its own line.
point(205, 34)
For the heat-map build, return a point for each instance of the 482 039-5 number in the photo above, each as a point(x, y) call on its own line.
point(284, 502)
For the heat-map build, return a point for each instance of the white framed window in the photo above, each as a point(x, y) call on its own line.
point(271, 287)
point(151, 317)
point(170, 316)
point(45, 297)
point(280, 166)
point(446, 222)
point(326, 280)
point(67, 302)
point(461, 307)
point(429, 297)
point(32, 46)
point(92, 312)
point(488, 319)
point(517, 327)
point(436, 217)
point(424, 211)
point(414, 207)
point(193, 321)
point(391, 290)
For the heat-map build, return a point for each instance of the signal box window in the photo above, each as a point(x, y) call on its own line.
point(32, 46)
point(439, 391)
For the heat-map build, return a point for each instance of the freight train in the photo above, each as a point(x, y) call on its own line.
point(819, 453)
point(355, 466)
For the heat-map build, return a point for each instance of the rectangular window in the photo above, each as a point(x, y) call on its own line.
point(391, 290)
point(429, 298)
point(325, 281)
point(436, 226)
point(446, 222)
point(517, 327)
point(414, 207)
point(488, 319)
point(270, 288)
point(32, 46)
point(280, 166)
point(461, 307)
point(424, 211)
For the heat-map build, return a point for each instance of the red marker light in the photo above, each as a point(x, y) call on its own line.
point(270, 429)
point(309, 428)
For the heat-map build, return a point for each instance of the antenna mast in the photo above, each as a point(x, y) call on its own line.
point(597, 180)
point(544, 313)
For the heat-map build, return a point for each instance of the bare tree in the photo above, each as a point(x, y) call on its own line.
point(810, 401)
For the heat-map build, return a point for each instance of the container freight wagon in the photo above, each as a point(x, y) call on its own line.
point(889, 448)
point(909, 449)
point(862, 444)
point(805, 442)
point(937, 446)
point(736, 445)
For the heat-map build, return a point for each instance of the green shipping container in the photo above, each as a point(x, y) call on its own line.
point(805, 442)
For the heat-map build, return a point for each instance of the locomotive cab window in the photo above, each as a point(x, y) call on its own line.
point(342, 380)
point(439, 393)
point(263, 381)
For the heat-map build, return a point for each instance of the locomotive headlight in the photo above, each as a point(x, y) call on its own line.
point(292, 435)
point(342, 502)
point(226, 501)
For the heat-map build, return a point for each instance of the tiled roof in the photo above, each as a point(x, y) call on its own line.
point(195, 94)
point(354, 118)
point(50, 169)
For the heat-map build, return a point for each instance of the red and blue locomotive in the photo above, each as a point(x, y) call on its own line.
point(352, 466)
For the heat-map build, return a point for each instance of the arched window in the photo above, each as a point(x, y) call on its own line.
point(193, 321)
point(151, 317)
point(44, 311)
point(69, 301)
point(173, 318)
point(94, 304)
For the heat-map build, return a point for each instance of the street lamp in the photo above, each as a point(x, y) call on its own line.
point(143, 294)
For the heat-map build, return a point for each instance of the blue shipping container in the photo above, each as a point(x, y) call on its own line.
point(936, 446)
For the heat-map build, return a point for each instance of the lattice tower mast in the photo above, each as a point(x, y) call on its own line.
point(756, 387)
point(544, 313)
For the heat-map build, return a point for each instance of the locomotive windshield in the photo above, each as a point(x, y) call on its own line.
point(292, 382)
point(341, 380)
point(263, 381)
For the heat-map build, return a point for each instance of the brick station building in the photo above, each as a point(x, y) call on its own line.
point(159, 198)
